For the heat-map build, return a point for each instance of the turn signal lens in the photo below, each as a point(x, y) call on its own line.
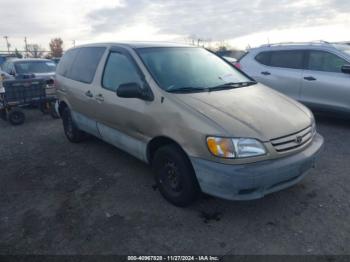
point(221, 147)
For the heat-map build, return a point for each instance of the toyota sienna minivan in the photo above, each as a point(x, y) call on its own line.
point(203, 125)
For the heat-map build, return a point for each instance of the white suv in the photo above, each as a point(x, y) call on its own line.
point(316, 74)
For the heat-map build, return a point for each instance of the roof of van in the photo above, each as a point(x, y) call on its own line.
point(137, 44)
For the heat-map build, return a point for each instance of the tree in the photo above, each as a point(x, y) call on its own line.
point(18, 54)
point(35, 50)
point(56, 47)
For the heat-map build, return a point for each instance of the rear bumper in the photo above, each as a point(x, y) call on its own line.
point(253, 181)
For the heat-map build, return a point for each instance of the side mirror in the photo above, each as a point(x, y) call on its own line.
point(134, 90)
point(345, 69)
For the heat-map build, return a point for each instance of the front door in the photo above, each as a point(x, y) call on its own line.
point(281, 70)
point(324, 86)
point(123, 121)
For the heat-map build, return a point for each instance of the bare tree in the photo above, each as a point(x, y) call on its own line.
point(35, 50)
point(56, 47)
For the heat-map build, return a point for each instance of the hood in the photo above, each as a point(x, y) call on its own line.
point(254, 111)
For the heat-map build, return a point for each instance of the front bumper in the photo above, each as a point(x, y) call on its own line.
point(252, 181)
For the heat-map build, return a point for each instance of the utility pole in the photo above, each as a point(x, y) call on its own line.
point(7, 43)
point(73, 43)
point(26, 46)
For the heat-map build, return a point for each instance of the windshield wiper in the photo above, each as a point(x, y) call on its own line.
point(231, 85)
point(187, 89)
point(192, 89)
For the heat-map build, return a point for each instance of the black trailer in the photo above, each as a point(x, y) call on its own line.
point(19, 94)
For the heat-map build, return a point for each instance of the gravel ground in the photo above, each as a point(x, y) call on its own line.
point(91, 198)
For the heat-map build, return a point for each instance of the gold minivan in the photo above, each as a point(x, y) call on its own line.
point(202, 124)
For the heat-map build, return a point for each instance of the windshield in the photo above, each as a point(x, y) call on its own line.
point(176, 68)
point(30, 67)
point(343, 48)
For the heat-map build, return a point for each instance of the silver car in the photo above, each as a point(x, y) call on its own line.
point(316, 74)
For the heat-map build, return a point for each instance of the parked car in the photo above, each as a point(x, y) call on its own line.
point(4, 75)
point(4, 57)
point(32, 68)
point(56, 60)
point(316, 74)
point(229, 59)
point(202, 124)
point(43, 68)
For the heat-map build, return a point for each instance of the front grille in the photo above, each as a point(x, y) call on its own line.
point(293, 141)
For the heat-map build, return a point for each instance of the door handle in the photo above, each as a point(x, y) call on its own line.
point(266, 73)
point(99, 97)
point(89, 94)
point(310, 78)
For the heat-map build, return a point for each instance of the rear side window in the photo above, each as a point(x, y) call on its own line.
point(85, 64)
point(285, 59)
point(325, 61)
point(66, 62)
point(263, 58)
point(119, 70)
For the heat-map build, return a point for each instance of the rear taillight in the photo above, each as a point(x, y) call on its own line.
point(238, 65)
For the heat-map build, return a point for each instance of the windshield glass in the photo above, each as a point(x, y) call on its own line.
point(175, 68)
point(343, 48)
point(30, 67)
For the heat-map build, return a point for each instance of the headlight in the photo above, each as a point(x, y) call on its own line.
point(235, 147)
point(248, 147)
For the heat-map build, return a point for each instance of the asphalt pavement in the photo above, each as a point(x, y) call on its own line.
point(91, 198)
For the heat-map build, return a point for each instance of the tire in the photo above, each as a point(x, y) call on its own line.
point(16, 117)
point(72, 132)
point(175, 176)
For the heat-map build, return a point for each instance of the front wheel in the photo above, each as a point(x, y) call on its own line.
point(72, 132)
point(175, 176)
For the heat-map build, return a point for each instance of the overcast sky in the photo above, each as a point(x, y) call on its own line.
point(239, 23)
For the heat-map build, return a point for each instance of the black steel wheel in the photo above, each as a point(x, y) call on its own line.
point(72, 132)
point(175, 176)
